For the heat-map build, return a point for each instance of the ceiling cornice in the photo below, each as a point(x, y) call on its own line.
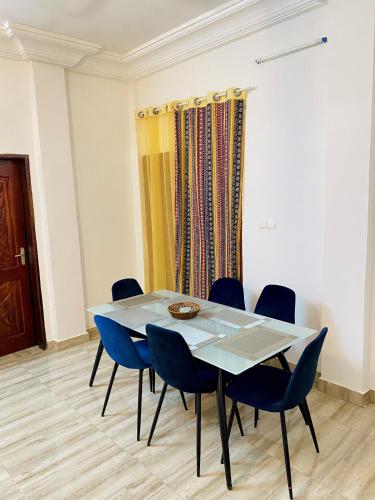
point(191, 27)
point(251, 18)
point(25, 42)
point(233, 20)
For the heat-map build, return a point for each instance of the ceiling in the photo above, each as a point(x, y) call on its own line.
point(116, 25)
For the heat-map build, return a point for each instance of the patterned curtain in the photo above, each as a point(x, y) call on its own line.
point(209, 140)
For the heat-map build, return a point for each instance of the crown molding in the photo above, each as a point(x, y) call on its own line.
point(105, 64)
point(175, 46)
point(231, 21)
point(7, 46)
point(196, 24)
point(44, 46)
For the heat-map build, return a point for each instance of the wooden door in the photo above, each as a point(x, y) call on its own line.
point(16, 307)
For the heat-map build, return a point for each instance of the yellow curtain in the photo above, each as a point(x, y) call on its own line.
point(155, 134)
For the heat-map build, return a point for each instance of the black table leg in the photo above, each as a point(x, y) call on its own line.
point(223, 428)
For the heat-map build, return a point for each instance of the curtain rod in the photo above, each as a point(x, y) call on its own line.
point(292, 50)
point(197, 100)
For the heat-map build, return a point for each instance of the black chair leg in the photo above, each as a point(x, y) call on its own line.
point(238, 418)
point(183, 400)
point(153, 381)
point(256, 417)
point(195, 404)
point(283, 362)
point(199, 413)
point(285, 366)
point(139, 412)
point(115, 366)
point(150, 379)
point(154, 422)
point(286, 453)
point(98, 356)
point(230, 423)
point(310, 424)
point(303, 413)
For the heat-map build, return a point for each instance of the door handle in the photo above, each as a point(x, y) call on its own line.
point(22, 254)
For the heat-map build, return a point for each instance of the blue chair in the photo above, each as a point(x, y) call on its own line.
point(122, 289)
point(174, 363)
point(228, 292)
point(120, 347)
point(275, 390)
point(277, 302)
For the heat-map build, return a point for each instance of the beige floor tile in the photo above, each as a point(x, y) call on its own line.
point(55, 445)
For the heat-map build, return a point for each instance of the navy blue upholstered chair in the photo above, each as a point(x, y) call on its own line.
point(273, 389)
point(174, 363)
point(277, 302)
point(122, 289)
point(228, 292)
point(120, 347)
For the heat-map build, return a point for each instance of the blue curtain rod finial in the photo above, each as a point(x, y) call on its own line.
point(325, 39)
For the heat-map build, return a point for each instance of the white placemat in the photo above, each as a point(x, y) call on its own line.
point(134, 318)
point(192, 335)
point(138, 300)
point(256, 342)
point(232, 318)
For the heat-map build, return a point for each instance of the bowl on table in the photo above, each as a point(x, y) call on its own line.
point(184, 310)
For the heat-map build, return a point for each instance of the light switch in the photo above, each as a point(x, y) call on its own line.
point(269, 224)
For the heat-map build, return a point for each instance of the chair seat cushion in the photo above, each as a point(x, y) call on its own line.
point(143, 351)
point(207, 375)
point(261, 387)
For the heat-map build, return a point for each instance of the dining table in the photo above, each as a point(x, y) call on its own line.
point(229, 339)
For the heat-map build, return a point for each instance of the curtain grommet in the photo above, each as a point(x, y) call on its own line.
point(237, 92)
point(141, 114)
point(156, 111)
point(216, 97)
point(197, 101)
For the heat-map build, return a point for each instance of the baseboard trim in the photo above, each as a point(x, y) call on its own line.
point(55, 345)
point(335, 390)
point(346, 394)
point(93, 333)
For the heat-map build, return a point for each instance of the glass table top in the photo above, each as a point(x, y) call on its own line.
point(225, 337)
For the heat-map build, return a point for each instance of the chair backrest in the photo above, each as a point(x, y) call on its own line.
point(229, 292)
point(118, 344)
point(278, 302)
point(172, 360)
point(125, 288)
point(303, 376)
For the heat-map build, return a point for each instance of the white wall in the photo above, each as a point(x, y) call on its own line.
point(347, 185)
point(55, 172)
point(17, 137)
point(99, 131)
point(307, 166)
point(65, 121)
point(284, 157)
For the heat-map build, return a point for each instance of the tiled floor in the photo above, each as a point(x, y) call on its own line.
point(54, 444)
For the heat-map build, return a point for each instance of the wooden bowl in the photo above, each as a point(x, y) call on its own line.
point(175, 310)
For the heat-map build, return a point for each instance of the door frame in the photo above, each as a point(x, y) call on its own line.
point(36, 291)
